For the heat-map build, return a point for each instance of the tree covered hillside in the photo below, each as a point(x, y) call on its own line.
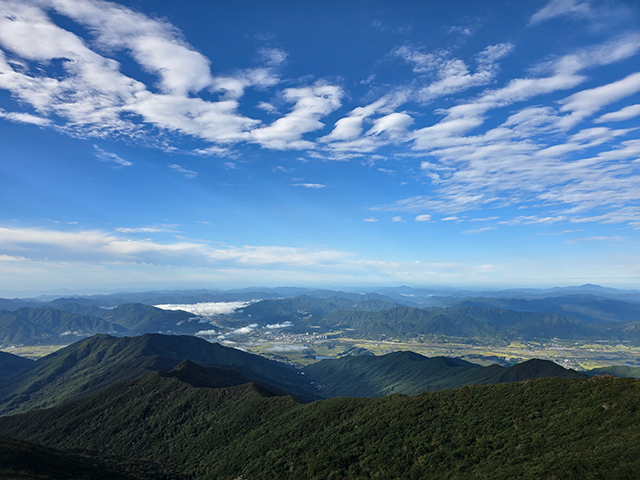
point(544, 428)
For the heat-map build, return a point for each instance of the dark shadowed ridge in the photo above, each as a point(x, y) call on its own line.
point(12, 364)
point(21, 460)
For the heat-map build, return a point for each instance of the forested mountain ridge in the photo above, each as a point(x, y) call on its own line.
point(562, 428)
point(410, 373)
point(91, 365)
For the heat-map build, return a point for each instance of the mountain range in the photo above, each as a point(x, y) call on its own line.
point(586, 313)
point(409, 373)
point(91, 365)
point(199, 423)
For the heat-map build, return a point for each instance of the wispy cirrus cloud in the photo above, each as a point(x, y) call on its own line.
point(22, 117)
point(105, 156)
point(184, 171)
point(516, 162)
point(557, 8)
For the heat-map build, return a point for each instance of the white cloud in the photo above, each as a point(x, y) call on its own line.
point(556, 8)
point(186, 172)
point(393, 124)
point(205, 333)
point(310, 104)
point(244, 330)
point(625, 113)
point(273, 56)
point(267, 107)
point(423, 218)
point(347, 131)
point(274, 326)
point(93, 98)
point(97, 246)
point(396, 219)
point(110, 157)
point(452, 75)
point(20, 117)
point(478, 230)
point(371, 220)
point(206, 309)
point(164, 228)
point(587, 102)
point(314, 186)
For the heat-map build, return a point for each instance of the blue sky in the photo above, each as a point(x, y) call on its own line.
point(227, 144)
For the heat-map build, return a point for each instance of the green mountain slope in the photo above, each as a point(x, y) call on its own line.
point(305, 309)
point(32, 326)
point(91, 365)
point(61, 322)
point(138, 318)
point(15, 330)
point(471, 324)
point(11, 364)
point(544, 428)
point(162, 416)
point(410, 373)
